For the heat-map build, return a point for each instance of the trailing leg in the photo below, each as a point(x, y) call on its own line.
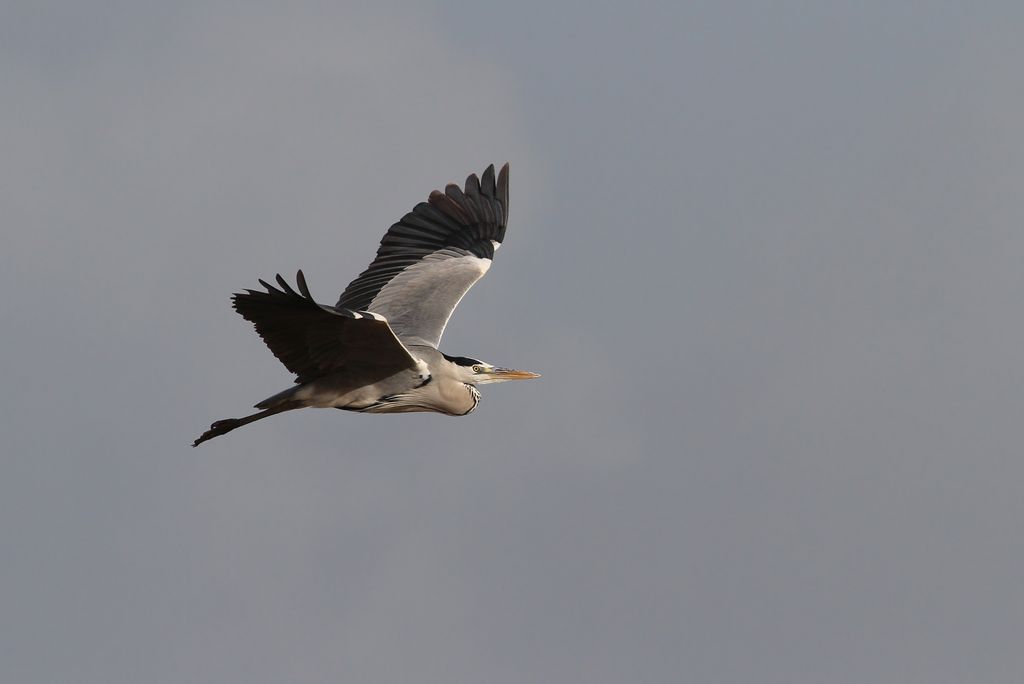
point(221, 427)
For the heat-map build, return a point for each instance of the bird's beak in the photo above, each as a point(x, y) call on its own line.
point(502, 374)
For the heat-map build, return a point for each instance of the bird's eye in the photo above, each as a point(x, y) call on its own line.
point(478, 369)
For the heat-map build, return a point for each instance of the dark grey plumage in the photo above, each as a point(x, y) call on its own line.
point(376, 350)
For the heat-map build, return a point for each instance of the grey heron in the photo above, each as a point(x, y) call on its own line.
point(375, 351)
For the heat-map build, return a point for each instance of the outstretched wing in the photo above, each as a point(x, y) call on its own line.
point(312, 340)
point(427, 261)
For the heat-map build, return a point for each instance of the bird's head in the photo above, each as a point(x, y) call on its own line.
point(477, 372)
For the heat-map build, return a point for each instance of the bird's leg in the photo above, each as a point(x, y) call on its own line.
point(221, 427)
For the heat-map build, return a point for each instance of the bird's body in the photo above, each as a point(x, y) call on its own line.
point(404, 391)
point(376, 350)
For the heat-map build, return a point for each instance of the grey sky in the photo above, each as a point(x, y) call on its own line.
point(766, 255)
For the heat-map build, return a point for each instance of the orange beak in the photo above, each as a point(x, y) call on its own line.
point(509, 374)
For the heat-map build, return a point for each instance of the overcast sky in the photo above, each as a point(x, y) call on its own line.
point(767, 257)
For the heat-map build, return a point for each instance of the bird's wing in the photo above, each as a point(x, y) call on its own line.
point(312, 340)
point(427, 261)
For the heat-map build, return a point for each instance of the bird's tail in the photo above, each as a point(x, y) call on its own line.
point(221, 427)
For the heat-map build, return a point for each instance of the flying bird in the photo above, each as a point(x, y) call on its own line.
point(375, 351)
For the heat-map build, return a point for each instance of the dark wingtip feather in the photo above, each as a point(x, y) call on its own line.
point(303, 288)
point(446, 204)
point(487, 181)
point(472, 185)
point(503, 188)
point(285, 286)
point(455, 193)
